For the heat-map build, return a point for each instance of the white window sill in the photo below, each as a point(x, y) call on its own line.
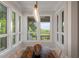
point(38, 41)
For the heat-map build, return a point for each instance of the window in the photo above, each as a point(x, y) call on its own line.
point(8, 35)
point(57, 28)
point(3, 19)
point(43, 26)
point(13, 26)
point(57, 22)
point(19, 23)
point(32, 28)
point(19, 28)
point(3, 27)
point(14, 37)
point(62, 39)
point(19, 36)
point(57, 37)
point(63, 21)
point(60, 27)
point(13, 21)
point(3, 43)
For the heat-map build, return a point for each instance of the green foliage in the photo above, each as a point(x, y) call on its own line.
point(33, 34)
point(45, 34)
point(3, 20)
point(13, 21)
point(44, 31)
point(32, 27)
point(3, 26)
point(3, 42)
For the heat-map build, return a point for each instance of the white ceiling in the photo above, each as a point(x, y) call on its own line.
point(44, 6)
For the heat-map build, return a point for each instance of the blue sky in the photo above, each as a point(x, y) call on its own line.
point(45, 25)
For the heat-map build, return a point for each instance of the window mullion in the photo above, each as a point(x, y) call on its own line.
point(8, 29)
point(38, 30)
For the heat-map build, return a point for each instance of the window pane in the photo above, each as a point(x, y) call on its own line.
point(19, 37)
point(62, 39)
point(3, 19)
point(13, 21)
point(63, 21)
point(57, 37)
point(57, 22)
point(32, 28)
point(19, 23)
point(3, 43)
point(45, 28)
point(14, 38)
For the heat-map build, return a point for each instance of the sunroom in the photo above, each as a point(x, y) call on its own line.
point(51, 25)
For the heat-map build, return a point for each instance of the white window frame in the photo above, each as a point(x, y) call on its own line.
point(51, 34)
point(16, 33)
point(20, 27)
point(9, 33)
point(5, 35)
point(60, 33)
point(13, 33)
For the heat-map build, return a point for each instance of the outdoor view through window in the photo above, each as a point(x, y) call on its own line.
point(32, 28)
point(44, 26)
point(3, 27)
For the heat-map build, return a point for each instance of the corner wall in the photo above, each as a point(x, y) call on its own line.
point(70, 48)
point(74, 29)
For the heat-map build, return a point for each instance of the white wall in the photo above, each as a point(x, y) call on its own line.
point(78, 31)
point(74, 29)
point(69, 29)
